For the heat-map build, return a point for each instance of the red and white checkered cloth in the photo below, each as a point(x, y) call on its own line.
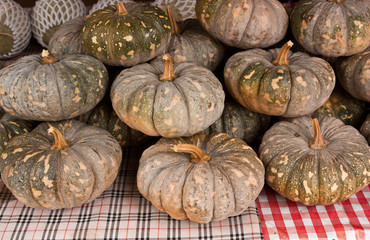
point(284, 219)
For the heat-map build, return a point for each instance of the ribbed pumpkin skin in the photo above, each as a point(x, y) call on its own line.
point(290, 90)
point(239, 122)
point(244, 24)
point(365, 129)
point(182, 107)
point(67, 39)
point(201, 191)
point(51, 92)
point(315, 176)
point(354, 75)
point(126, 40)
point(330, 28)
point(44, 178)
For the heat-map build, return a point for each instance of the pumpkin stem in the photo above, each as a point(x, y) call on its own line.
point(121, 10)
point(283, 55)
point(196, 153)
point(337, 1)
point(60, 142)
point(7, 34)
point(47, 57)
point(318, 142)
point(175, 27)
point(168, 74)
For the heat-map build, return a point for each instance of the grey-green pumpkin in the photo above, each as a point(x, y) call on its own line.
point(365, 128)
point(42, 87)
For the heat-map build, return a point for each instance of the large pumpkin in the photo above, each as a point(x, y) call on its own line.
point(365, 128)
point(354, 75)
point(333, 27)
point(203, 178)
point(315, 161)
point(125, 35)
point(244, 24)
point(278, 82)
point(167, 100)
point(47, 88)
point(60, 164)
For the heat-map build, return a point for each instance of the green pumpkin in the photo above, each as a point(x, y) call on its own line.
point(125, 35)
point(333, 27)
point(365, 128)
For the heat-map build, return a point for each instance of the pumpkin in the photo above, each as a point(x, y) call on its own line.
point(169, 101)
point(244, 24)
point(202, 178)
point(60, 164)
point(48, 88)
point(320, 161)
point(67, 39)
point(48, 15)
point(333, 27)
point(190, 43)
point(278, 82)
point(365, 128)
point(15, 29)
point(126, 35)
point(354, 75)
point(344, 107)
point(239, 122)
point(105, 117)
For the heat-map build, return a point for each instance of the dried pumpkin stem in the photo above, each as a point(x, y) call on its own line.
point(60, 142)
point(197, 154)
point(47, 57)
point(318, 142)
point(282, 58)
point(175, 27)
point(121, 10)
point(337, 1)
point(7, 34)
point(168, 74)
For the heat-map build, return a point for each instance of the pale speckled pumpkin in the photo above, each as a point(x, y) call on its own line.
point(354, 75)
point(365, 128)
point(46, 88)
point(220, 178)
point(315, 161)
point(332, 27)
point(184, 100)
point(60, 164)
point(67, 39)
point(278, 82)
point(126, 35)
point(244, 24)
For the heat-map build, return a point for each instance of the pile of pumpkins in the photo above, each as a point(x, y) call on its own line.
point(208, 87)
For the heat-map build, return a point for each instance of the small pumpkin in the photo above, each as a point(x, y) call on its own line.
point(67, 39)
point(126, 35)
point(278, 82)
point(202, 178)
point(15, 29)
point(167, 100)
point(333, 27)
point(320, 161)
point(47, 88)
point(354, 75)
point(60, 164)
point(244, 24)
point(365, 128)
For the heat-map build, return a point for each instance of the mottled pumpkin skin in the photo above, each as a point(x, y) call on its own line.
point(365, 128)
point(182, 107)
point(201, 191)
point(239, 122)
point(194, 44)
point(64, 89)
point(290, 90)
point(330, 28)
point(126, 40)
point(354, 75)
point(244, 24)
point(67, 39)
point(54, 179)
point(315, 176)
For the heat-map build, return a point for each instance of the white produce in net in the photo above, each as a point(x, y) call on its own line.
point(14, 17)
point(49, 14)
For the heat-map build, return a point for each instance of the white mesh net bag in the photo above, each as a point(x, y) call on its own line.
point(15, 29)
point(182, 9)
point(48, 15)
